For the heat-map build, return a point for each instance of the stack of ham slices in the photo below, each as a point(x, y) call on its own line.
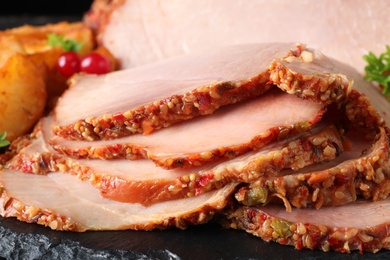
point(273, 138)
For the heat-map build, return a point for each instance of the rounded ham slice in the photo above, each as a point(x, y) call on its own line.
point(139, 32)
point(146, 98)
point(140, 181)
point(63, 202)
point(362, 225)
point(363, 171)
point(229, 132)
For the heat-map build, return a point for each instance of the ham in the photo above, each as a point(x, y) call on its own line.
point(328, 80)
point(62, 202)
point(361, 226)
point(249, 125)
point(310, 140)
point(140, 181)
point(141, 32)
point(146, 98)
point(361, 172)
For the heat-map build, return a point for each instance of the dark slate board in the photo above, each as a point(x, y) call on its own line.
point(19, 240)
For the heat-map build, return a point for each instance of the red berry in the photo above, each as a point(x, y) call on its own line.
point(95, 63)
point(68, 63)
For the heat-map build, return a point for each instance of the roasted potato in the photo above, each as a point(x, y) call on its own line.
point(29, 80)
point(9, 45)
point(32, 41)
point(22, 94)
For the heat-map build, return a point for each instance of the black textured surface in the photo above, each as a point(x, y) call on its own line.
point(19, 240)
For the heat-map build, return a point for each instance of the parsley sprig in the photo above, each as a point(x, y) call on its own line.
point(378, 69)
point(3, 142)
point(55, 40)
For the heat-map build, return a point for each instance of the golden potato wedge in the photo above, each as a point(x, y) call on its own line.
point(32, 40)
point(9, 45)
point(22, 95)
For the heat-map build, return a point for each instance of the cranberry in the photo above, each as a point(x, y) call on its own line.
point(68, 63)
point(95, 63)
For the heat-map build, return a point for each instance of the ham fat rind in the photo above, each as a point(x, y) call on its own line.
point(309, 139)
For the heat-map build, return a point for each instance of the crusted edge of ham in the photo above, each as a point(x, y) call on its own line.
point(14, 206)
point(367, 176)
point(202, 99)
point(321, 144)
point(270, 226)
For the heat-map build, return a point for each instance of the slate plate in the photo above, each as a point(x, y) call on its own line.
point(19, 240)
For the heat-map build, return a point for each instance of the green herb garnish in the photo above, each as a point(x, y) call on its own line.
point(3, 142)
point(55, 40)
point(378, 69)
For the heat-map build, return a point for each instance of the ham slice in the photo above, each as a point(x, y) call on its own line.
point(312, 75)
point(139, 32)
point(62, 202)
point(248, 125)
point(366, 175)
point(140, 181)
point(143, 99)
point(361, 226)
point(255, 152)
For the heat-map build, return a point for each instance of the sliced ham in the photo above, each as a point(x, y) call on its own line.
point(140, 181)
point(361, 226)
point(62, 202)
point(140, 32)
point(311, 140)
point(233, 130)
point(143, 99)
point(367, 175)
point(312, 75)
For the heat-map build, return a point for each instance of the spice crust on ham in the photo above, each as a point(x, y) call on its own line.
point(62, 202)
point(367, 176)
point(296, 165)
point(250, 125)
point(141, 182)
point(361, 226)
point(155, 96)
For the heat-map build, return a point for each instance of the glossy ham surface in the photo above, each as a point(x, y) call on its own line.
point(139, 32)
point(142, 99)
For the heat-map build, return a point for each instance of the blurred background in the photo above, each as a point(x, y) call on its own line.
point(40, 12)
point(39, 7)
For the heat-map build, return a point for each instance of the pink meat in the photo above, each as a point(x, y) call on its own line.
point(140, 32)
point(361, 226)
point(150, 97)
point(62, 202)
point(232, 129)
point(140, 181)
